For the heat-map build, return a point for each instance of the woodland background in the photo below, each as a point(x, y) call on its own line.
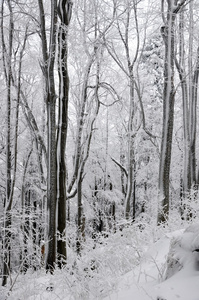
point(98, 125)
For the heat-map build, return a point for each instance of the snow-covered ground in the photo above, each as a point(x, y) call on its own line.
point(144, 282)
point(147, 281)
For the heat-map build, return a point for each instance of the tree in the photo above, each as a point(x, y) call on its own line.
point(11, 79)
point(64, 13)
point(88, 102)
point(9, 198)
point(56, 174)
point(168, 34)
point(123, 25)
point(50, 97)
point(188, 75)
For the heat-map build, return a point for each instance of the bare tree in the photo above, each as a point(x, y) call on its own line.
point(168, 34)
point(50, 97)
point(12, 135)
point(64, 13)
point(125, 13)
point(56, 166)
point(188, 74)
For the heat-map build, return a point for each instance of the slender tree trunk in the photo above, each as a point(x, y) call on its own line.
point(193, 86)
point(11, 168)
point(83, 145)
point(81, 120)
point(8, 200)
point(189, 85)
point(122, 176)
point(79, 214)
point(130, 168)
point(129, 72)
point(193, 120)
point(186, 180)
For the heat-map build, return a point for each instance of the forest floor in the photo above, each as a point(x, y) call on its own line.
point(128, 265)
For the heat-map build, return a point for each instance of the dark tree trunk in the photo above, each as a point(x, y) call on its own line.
point(51, 186)
point(8, 199)
point(79, 214)
point(61, 141)
point(51, 140)
point(168, 34)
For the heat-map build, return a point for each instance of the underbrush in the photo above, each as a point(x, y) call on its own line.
point(93, 274)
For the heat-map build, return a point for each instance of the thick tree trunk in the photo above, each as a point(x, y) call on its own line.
point(56, 174)
point(61, 142)
point(51, 140)
point(168, 33)
point(64, 13)
point(51, 186)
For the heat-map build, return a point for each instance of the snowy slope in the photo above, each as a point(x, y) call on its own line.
point(146, 281)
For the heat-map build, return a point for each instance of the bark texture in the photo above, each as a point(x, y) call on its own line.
point(168, 34)
point(64, 13)
point(47, 67)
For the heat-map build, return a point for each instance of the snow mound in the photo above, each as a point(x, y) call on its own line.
point(169, 270)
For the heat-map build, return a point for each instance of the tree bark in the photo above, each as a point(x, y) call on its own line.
point(8, 200)
point(130, 169)
point(51, 140)
point(168, 34)
point(62, 129)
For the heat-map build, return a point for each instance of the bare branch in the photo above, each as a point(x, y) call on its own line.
point(119, 165)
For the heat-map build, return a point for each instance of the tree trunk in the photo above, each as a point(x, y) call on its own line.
point(122, 176)
point(8, 200)
point(79, 214)
point(56, 173)
point(168, 34)
point(51, 140)
point(64, 13)
point(189, 85)
point(130, 169)
point(193, 119)
point(61, 142)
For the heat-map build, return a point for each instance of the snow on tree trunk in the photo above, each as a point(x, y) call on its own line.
point(64, 16)
point(51, 140)
point(189, 83)
point(168, 34)
point(131, 160)
point(7, 205)
point(193, 118)
point(9, 182)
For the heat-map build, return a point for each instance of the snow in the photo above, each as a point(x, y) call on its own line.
point(146, 281)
